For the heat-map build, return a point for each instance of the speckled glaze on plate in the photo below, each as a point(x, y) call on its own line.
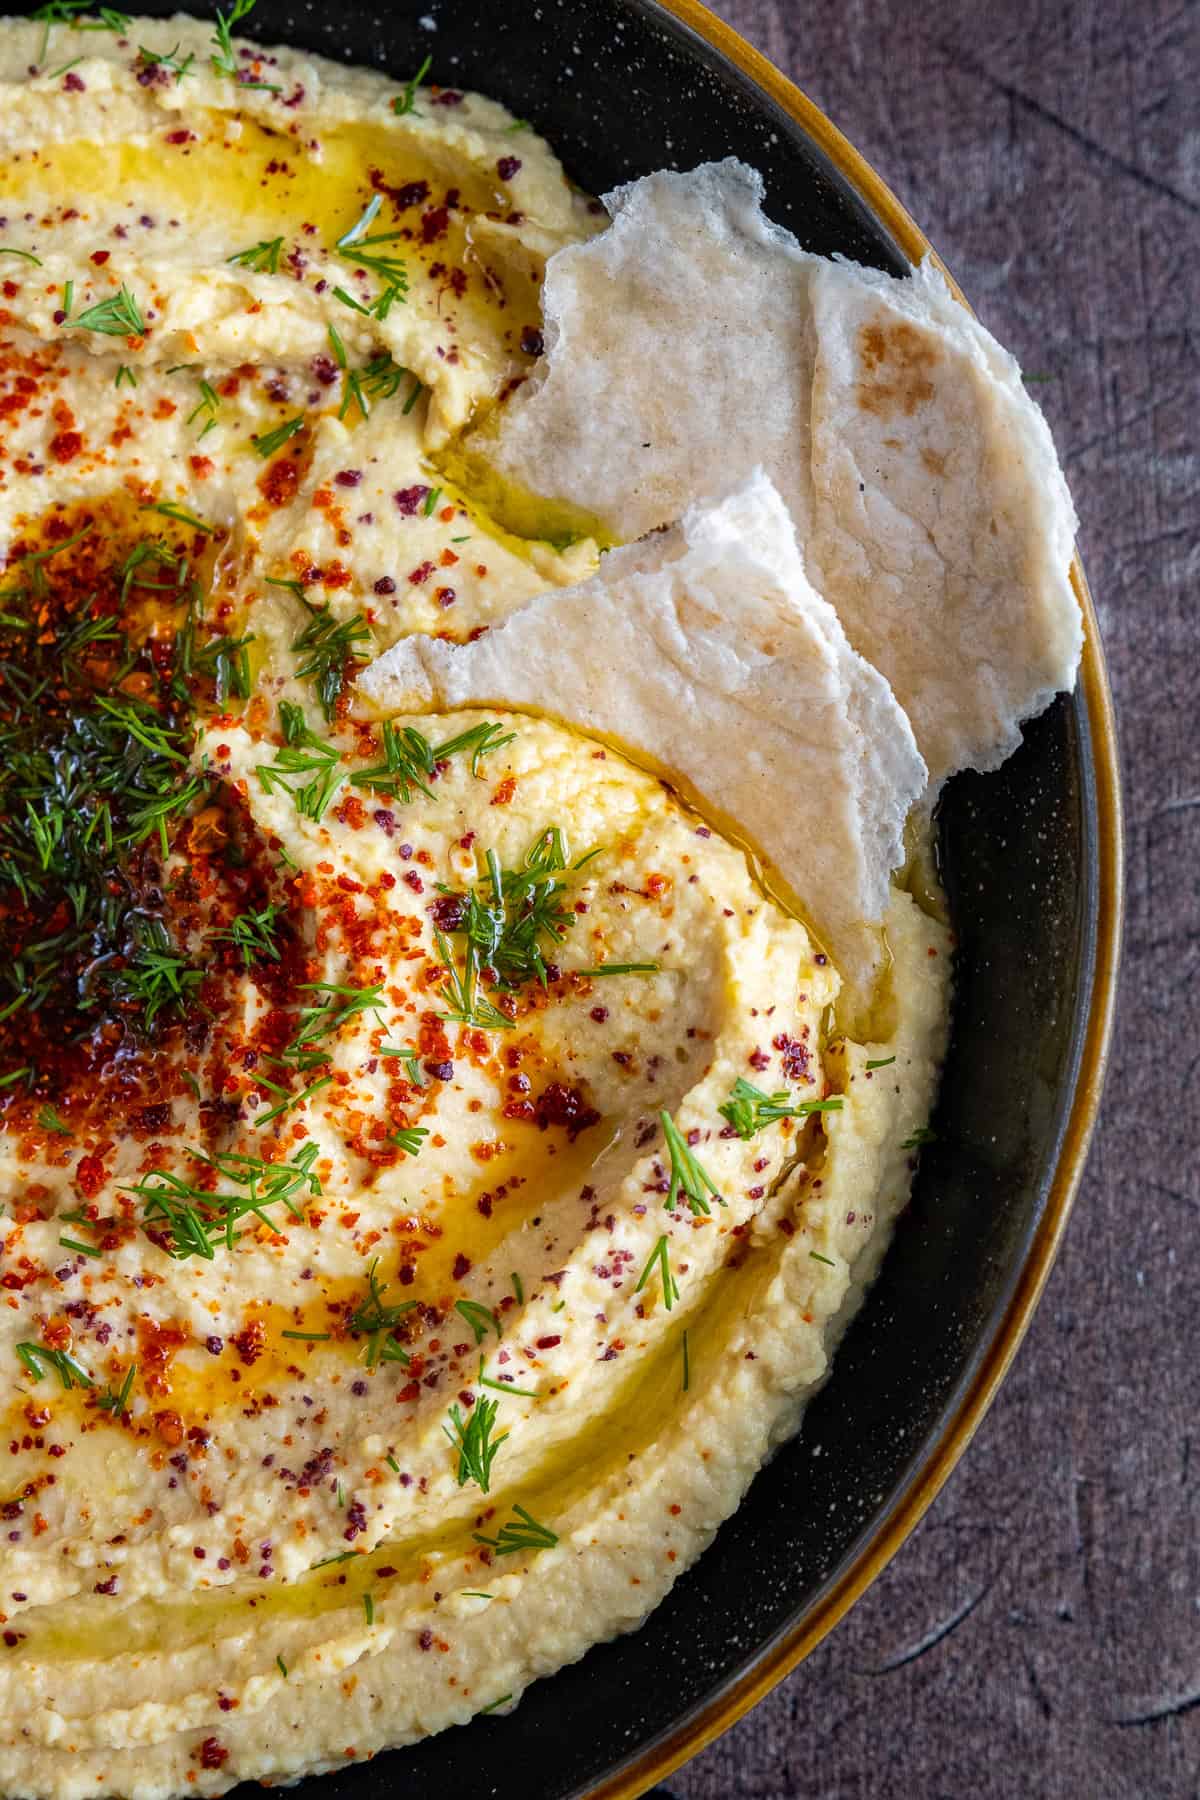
point(1031, 857)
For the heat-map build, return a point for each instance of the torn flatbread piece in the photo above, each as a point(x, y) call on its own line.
point(695, 340)
point(734, 679)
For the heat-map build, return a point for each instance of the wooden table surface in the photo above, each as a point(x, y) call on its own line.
point(1039, 1635)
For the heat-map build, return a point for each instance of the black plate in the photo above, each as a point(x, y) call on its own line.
point(620, 89)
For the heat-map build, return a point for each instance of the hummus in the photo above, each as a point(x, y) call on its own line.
point(434, 1174)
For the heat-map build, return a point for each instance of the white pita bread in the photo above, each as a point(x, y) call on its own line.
point(705, 652)
point(695, 340)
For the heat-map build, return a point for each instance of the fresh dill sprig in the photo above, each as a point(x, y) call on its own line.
point(522, 1533)
point(303, 755)
point(659, 1259)
point(253, 934)
point(409, 1138)
point(271, 441)
point(168, 60)
point(467, 1005)
point(327, 645)
point(472, 1440)
point(37, 1358)
point(262, 257)
point(188, 1219)
point(376, 1319)
point(365, 252)
point(480, 1318)
point(749, 1110)
point(118, 316)
point(49, 1120)
point(405, 104)
point(209, 404)
point(687, 1175)
point(115, 1400)
point(224, 58)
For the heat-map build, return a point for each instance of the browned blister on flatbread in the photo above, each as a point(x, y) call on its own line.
point(706, 653)
point(695, 340)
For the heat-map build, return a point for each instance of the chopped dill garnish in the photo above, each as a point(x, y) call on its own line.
point(472, 1440)
point(376, 1319)
point(480, 1318)
point(922, 1135)
point(37, 1358)
point(327, 645)
point(169, 510)
point(687, 1175)
point(827, 1260)
point(209, 404)
point(187, 1219)
point(271, 441)
point(749, 1110)
point(114, 1401)
point(224, 58)
point(646, 968)
point(405, 103)
point(522, 1533)
point(659, 1259)
point(125, 376)
point(118, 316)
point(409, 1138)
point(262, 257)
point(49, 1120)
point(364, 252)
point(253, 934)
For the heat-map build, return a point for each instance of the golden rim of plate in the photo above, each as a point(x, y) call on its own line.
point(959, 1426)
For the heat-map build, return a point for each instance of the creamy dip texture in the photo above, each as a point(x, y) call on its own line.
point(433, 1173)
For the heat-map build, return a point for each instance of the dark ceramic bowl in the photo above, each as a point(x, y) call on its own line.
point(1031, 857)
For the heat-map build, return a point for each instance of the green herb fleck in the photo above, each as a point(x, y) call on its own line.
point(480, 1318)
point(37, 1358)
point(118, 316)
point(376, 1319)
point(659, 1258)
point(271, 441)
point(749, 1110)
point(472, 1440)
point(262, 257)
point(687, 1175)
point(521, 1533)
point(405, 103)
point(115, 1401)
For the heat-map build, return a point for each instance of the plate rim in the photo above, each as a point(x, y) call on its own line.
point(661, 1758)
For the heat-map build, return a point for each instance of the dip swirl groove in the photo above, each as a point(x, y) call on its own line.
point(433, 1173)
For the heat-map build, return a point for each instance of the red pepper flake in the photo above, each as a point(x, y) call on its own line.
point(548, 1343)
point(505, 791)
point(507, 167)
point(212, 1754)
point(421, 573)
point(100, 257)
point(65, 446)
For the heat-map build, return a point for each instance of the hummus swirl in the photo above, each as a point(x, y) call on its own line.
point(433, 1173)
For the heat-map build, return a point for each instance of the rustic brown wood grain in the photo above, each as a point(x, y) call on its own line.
point(1039, 1635)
